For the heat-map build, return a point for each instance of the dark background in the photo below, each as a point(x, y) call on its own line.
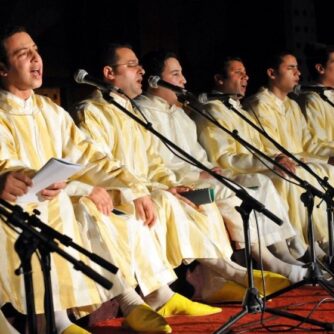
point(69, 33)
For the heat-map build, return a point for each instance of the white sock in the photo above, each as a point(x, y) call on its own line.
point(128, 300)
point(293, 272)
point(227, 269)
point(159, 297)
point(297, 274)
point(296, 247)
point(62, 321)
point(321, 251)
point(281, 251)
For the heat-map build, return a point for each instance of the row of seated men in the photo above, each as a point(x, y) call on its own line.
point(125, 167)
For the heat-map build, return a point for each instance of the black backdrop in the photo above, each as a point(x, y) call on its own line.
point(70, 32)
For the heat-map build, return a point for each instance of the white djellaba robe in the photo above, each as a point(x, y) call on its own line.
point(285, 123)
point(33, 131)
point(184, 233)
point(177, 126)
point(146, 262)
point(319, 118)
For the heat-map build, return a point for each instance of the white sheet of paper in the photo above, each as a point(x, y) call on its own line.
point(55, 170)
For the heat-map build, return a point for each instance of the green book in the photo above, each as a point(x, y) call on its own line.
point(200, 196)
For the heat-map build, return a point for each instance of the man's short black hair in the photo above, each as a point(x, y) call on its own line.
point(108, 55)
point(222, 63)
point(154, 62)
point(5, 33)
point(317, 53)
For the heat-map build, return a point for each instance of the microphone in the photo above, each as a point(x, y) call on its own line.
point(299, 89)
point(82, 77)
point(206, 97)
point(154, 81)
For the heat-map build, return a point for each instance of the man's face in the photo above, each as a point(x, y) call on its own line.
point(328, 71)
point(237, 78)
point(286, 77)
point(25, 67)
point(127, 73)
point(172, 73)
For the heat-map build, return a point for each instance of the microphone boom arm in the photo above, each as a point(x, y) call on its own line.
point(17, 217)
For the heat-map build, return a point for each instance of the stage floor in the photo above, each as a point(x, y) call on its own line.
point(300, 301)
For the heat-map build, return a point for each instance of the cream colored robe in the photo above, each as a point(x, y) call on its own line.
point(138, 255)
point(319, 117)
point(285, 123)
point(184, 233)
point(176, 125)
point(33, 131)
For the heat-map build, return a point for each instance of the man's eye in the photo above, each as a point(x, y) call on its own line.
point(22, 54)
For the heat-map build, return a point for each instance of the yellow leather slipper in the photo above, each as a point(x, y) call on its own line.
point(74, 329)
point(180, 305)
point(230, 292)
point(273, 282)
point(143, 319)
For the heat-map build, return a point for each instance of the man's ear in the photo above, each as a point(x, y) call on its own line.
point(108, 73)
point(271, 73)
point(3, 70)
point(320, 69)
point(218, 79)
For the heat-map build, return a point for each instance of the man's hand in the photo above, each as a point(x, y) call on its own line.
point(286, 162)
point(53, 190)
point(102, 200)
point(13, 185)
point(205, 175)
point(180, 189)
point(145, 210)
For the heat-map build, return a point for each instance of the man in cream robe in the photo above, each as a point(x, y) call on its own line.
point(318, 106)
point(34, 129)
point(318, 113)
point(283, 120)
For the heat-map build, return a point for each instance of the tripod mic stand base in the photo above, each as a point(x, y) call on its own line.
point(325, 325)
point(309, 280)
point(252, 303)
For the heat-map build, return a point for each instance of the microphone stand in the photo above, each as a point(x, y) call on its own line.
point(35, 236)
point(314, 275)
point(329, 193)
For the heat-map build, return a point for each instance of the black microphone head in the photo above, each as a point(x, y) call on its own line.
point(153, 81)
point(80, 75)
